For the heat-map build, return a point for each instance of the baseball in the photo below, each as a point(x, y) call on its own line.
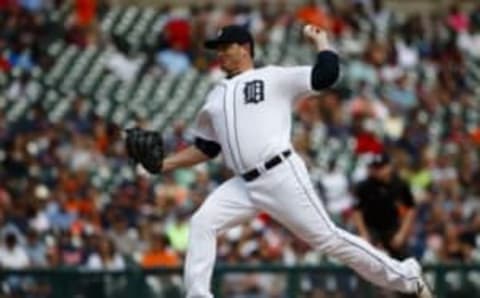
point(308, 29)
point(317, 35)
point(311, 30)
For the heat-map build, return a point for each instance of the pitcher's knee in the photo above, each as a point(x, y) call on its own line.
point(201, 222)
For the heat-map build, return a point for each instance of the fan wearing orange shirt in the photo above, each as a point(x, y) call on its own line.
point(159, 254)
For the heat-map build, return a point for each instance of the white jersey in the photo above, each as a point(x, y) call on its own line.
point(249, 115)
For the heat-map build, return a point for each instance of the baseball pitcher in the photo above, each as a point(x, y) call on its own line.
point(247, 118)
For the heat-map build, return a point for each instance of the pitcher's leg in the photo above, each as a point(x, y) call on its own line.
point(226, 207)
point(294, 203)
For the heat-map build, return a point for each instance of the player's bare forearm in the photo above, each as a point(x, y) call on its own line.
point(407, 223)
point(183, 159)
point(360, 224)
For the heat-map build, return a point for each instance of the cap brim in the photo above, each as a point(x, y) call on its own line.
point(215, 43)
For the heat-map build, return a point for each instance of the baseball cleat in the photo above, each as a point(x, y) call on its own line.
point(423, 289)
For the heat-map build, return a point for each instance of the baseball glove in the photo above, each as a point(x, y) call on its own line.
point(145, 147)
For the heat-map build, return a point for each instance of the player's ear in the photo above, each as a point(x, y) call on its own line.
point(246, 49)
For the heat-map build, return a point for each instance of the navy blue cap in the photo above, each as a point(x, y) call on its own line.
point(231, 34)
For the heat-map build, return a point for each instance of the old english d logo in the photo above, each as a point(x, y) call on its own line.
point(254, 92)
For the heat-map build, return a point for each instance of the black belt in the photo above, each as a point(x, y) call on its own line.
point(255, 173)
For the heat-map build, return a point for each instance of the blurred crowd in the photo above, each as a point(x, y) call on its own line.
point(405, 90)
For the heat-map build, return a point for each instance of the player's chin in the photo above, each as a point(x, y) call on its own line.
point(225, 68)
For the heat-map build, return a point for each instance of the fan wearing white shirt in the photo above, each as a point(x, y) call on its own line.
point(106, 257)
point(13, 255)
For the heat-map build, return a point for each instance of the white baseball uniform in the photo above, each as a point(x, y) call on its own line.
point(249, 116)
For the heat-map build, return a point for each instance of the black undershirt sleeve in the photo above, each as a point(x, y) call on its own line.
point(359, 195)
point(326, 70)
point(407, 196)
point(209, 148)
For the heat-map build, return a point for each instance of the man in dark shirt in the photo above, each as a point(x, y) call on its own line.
point(385, 208)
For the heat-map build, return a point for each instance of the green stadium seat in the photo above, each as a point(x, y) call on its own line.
point(110, 19)
point(61, 108)
point(35, 91)
point(56, 48)
point(106, 87)
point(123, 93)
point(120, 115)
point(4, 80)
point(61, 66)
point(126, 21)
point(17, 110)
point(103, 107)
point(137, 34)
point(155, 30)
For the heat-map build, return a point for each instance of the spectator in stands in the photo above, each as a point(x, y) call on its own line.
point(401, 95)
point(173, 59)
point(457, 20)
point(36, 250)
point(312, 13)
point(12, 254)
point(124, 238)
point(19, 87)
point(366, 139)
point(79, 119)
point(171, 192)
point(449, 246)
point(106, 257)
point(173, 53)
point(85, 12)
point(382, 18)
point(122, 63)
point(385, 208)
point(59, 217)
point(159, 254)
point(335, 190)
point(7, 227)
point(202, 185)
point(69, 249)
point(177, 139)
point(177, 231)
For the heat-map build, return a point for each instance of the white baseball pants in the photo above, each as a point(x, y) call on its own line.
point(286, 193)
